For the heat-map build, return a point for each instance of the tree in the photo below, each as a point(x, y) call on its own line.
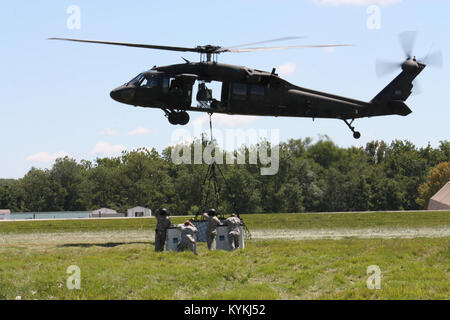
point(38, 194)
point(318, 176)
point(438, 177)
point(67, 180)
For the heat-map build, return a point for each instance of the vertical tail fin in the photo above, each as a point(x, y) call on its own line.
point(400, 88)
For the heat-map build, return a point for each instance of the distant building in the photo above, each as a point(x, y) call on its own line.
point(441, 200)
point(106, 213)
point(5, 214)
point(139, 212)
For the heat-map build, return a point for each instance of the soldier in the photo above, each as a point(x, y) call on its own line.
point(162, 215)
point(211, 232)
point(188, 237)
point(234, 231)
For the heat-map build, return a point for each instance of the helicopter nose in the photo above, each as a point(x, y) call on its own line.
point(122, 94)
point(114, 94)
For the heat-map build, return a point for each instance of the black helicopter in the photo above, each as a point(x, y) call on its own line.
point(247, 91)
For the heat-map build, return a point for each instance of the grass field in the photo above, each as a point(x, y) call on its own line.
point(117, 260)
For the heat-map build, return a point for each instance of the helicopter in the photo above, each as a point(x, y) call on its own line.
point(247, 91)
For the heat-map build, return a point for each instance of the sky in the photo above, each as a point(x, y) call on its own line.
point(55, 95)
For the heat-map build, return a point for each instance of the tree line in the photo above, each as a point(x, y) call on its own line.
point(312, 177)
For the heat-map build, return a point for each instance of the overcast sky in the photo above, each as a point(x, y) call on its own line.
point(55, 95)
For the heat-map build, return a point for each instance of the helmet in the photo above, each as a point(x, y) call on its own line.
point(212, 212)
point(163, 211)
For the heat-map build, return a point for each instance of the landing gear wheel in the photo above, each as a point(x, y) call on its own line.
point(178, 117)
point(173, 118)
point(183, 118)
point(356, 135)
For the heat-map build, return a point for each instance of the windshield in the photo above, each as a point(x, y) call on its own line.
point(136, 80)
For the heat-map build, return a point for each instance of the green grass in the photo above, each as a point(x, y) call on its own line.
point(349, 220)
point(82, 225)
point(33, 265)
point(253, 221)
point(319, 269)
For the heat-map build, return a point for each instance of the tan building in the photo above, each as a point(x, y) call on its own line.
point(441, 200)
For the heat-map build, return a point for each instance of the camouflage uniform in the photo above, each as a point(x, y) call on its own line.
point(234, 231)
point(188, 238)
point(161, 230)
point(211, 232)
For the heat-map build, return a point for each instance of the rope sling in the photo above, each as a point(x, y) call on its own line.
point(211, 180)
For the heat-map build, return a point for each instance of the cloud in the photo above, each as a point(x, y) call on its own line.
point(140, 131)
point(45, 157)
point(108, 132)
point(225, 120)
point(356, 2)
point(181, 141)
point(329, 49)
point(106, 149)
point(286, 69)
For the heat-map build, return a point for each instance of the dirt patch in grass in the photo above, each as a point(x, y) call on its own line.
point(405, 233)
point(113, 238)
point(101, 237)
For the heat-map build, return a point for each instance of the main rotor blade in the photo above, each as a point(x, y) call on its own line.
point(407, 40)
point(383, 67)
point(136, 45)
point(288, 47)
point(204, 49)
point(261, 42)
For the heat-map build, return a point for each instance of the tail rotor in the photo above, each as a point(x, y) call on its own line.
point(407, 42)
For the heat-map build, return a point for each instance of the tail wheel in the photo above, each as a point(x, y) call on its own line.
point(356, 134)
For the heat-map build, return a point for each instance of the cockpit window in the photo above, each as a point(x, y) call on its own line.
point(136, 80)
point(150, 81)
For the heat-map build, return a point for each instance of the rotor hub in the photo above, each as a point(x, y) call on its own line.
point(410, 65)
point(208, 49)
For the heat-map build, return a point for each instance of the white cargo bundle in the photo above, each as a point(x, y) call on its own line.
point(173, 238)
point(222, 242)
